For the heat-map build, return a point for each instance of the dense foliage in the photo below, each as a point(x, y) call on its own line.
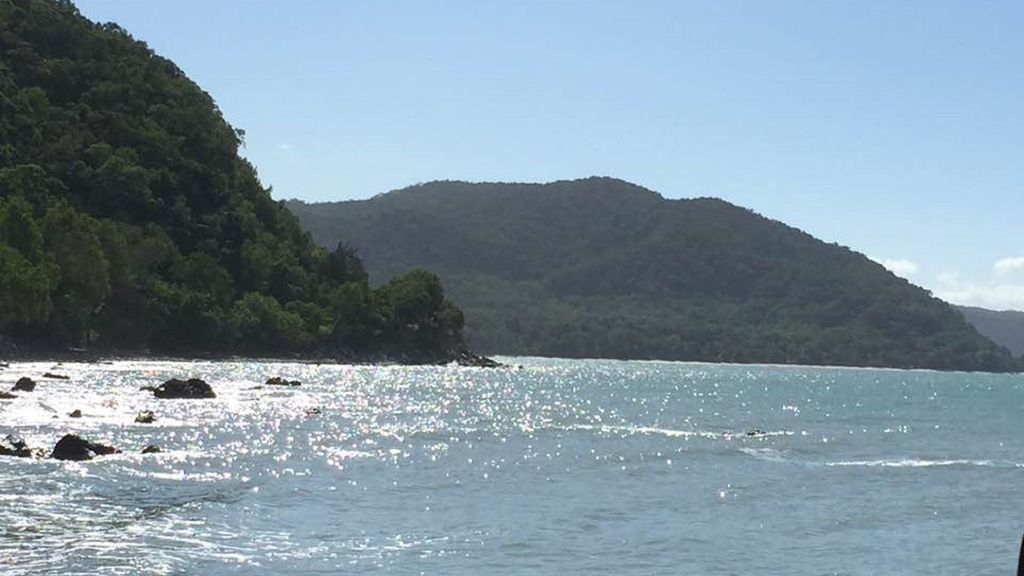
point(128, 221)
point(1005, 327)
point(600, 267)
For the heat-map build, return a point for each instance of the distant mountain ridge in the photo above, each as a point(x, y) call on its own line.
point(600, 267)
point(1004, 327)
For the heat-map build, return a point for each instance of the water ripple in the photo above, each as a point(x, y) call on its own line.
point(558, 466)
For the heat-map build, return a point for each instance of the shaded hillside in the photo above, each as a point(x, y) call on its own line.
point(1004, 327)
point(600, 267)
point(128, 222)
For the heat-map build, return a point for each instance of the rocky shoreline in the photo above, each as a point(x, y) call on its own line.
point(74, 447)
point(77, 448)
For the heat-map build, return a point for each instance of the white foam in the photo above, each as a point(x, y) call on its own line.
point(922, 463)
point(671, 433)
point(766, 454)
point(674, 433)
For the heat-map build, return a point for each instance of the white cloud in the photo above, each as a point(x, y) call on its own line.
point(997, 294)
point(994, 296)
point(899, 266)
point(284, 146)
point(1007, 266)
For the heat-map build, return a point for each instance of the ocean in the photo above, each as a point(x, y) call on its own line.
point(545, 467)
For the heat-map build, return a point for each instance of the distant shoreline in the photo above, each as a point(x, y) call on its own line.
point(760, 364)
point(463, 358)
point(384, 360)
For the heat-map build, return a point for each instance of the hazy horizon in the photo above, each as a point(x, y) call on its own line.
point(892, 129)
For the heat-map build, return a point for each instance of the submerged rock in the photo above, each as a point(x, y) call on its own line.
point(72, 447)
point(191, 388)
point(7, 396)
point(151, 449)
point(25, 384)
point(76, 413)
point(146, 417)
point(278, 381)
point(14, 446)
point(53, 376)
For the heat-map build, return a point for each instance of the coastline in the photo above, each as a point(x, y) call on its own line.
point(12, 353)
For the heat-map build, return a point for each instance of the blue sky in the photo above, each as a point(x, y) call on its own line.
point(895, 128)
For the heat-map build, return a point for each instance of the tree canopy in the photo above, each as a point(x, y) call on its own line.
point(128, 221)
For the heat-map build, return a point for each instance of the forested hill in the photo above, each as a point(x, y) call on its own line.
point(1004, 327)
point(129, 223)
point(602, 268)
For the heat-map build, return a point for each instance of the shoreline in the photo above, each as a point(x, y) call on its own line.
point(760, 364)
point(462, 358)
point(486, 361)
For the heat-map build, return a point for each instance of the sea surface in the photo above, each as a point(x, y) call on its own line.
point(546, 467)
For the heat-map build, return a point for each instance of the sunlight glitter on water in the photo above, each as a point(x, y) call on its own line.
point(560, 466)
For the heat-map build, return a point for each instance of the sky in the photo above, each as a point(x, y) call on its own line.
point(894, 128)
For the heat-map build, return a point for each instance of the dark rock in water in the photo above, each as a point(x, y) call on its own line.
point(151, 449)
point(72, 447)
point(191, 388)
point(56, 376)
point(278, 381)
point(7, 396)
point(315, 411)
point(13, 446)
point(76, 413)
point(147, 388)
point(4, 365)
point(756, 432)
point(467, 358)
point(25, 384)
point(103, 450)
point(146, 417)
point(1020, 559)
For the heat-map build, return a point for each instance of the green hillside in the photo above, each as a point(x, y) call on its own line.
point(602, 268)
point(1004, 327)
point(129, 223)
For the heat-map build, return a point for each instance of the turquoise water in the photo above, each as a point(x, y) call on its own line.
point(556, 467)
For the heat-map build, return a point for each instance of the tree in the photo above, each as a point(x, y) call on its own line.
point(83, 281)
point(343, 265)
point(129, 221)
point(19, 229)
point(414, 307)
point(24, 290)
point(260, 325)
